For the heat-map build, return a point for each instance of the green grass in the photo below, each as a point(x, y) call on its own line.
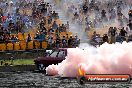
point(19, 62)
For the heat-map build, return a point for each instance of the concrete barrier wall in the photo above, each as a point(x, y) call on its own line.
point(20, 55)
point(17, 68)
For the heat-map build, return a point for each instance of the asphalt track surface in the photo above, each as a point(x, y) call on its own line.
point(39, 80)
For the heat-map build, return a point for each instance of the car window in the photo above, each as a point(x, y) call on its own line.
point(61, 54)
point(54, 54)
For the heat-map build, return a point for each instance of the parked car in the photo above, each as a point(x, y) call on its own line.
point(51, 57)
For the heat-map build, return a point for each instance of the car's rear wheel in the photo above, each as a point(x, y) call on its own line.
point(41, 67)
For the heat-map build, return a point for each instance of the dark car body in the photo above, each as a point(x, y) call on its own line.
point(55, 57)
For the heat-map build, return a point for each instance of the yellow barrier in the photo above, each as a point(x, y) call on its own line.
point(2, 47)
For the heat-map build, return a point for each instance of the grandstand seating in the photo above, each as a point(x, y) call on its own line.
point(44, 45)
point(30, 45)
point(25, 35)
point(20, 36)
point(37, 44)
point(22, 45)
point(16, 46)
point(9, 46)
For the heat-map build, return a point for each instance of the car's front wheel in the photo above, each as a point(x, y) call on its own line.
point(41, 67)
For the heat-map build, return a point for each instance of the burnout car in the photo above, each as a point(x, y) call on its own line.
point(51, 57)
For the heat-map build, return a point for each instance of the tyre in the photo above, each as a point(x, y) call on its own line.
point(81, 80)
point(41, 67)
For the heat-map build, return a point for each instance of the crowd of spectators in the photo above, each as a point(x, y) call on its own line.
point(14, 19)
point(114, 35)
point(98, 13)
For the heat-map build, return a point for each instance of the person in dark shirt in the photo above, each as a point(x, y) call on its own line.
point(130, 15)
point(123, 32)
point(28, 40)
point(70, 41)
point(64, 42)
point(130, 38)
point(49, 20)
point(1, 39)
point(62, 28)
point(54, 14)
point(1, 30)
point(42, 25)
point(103, 13)
point(37, 36)
point(58, 41)
point(51, 30)
point(105, 38)
point(55, 25)
point(85, 8)
point(130, 24)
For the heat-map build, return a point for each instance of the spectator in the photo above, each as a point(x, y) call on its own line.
point(130, 38)
point(1, 39)
point(37, 37)
point(42, 38)
point(103, 14)
point(105, 38)
point(85, 8)
point(94, 34)
point(113, 32)
point(58, 42)
point(28, 40)
point(76, 41)
point(13, 38)
point(42, 25)
point(130, 24)
point(123, 32)
point(130, 14)
point(1, 30)
point(70, 42)
point(64, 42)
point(55, 25)
point(51, 30)
point(49, 20)
point(54, 14)
point(98, 40)
point(62, 28)
point(67, 25)
point(50, 42)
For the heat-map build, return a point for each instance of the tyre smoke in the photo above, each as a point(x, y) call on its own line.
point(106, 59)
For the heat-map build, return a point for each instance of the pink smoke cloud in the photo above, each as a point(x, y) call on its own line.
point(106, 59)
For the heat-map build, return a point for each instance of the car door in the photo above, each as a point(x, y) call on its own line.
point(52, 58)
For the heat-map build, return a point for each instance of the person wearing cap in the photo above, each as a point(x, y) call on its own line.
point(64, 42)
point(70, 42)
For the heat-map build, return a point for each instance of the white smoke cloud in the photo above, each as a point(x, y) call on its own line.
point(106, 59)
